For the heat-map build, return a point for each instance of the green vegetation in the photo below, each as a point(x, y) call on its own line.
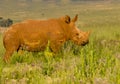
point(96, 63)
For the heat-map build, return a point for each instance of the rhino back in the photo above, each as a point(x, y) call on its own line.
point(35, 31)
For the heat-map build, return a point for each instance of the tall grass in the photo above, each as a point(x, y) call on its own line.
point(96, 63)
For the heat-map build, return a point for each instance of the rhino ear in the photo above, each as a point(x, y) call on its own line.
point(67, 19)
point(75, 18)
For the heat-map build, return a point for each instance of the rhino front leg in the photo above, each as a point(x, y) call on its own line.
point(55, 46)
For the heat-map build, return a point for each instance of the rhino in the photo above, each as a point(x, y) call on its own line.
point(33, 35)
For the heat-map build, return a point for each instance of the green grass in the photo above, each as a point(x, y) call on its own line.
point(96, 63)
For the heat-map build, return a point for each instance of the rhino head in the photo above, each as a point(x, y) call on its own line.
point(79, 37)
point(75, 34)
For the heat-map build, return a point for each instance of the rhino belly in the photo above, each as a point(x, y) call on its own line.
point(33, 46)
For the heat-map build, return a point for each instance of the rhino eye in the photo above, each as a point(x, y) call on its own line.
point(77, 34)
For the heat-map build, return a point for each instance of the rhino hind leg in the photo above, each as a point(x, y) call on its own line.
point(9, 52)
point(7, 55)
point(11, 45)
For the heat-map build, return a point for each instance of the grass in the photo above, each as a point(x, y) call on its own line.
point(96, 63)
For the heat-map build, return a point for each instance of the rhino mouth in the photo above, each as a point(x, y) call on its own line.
point(84, 43)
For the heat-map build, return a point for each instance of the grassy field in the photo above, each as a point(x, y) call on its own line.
point(96, 63)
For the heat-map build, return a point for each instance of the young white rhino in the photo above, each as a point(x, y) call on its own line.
point(34, 35)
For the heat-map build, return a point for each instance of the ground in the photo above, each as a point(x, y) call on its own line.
point(96, 63)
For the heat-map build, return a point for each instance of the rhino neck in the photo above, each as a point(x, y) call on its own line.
point(65, 28)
